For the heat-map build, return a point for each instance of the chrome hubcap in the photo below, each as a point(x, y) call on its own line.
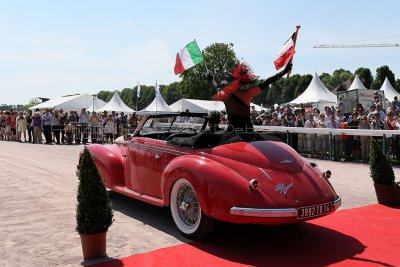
point(189, 209)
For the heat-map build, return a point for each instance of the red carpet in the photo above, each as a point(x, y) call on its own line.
point(367, 236)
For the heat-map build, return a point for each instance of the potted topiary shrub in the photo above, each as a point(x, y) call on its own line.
point(386, 189)
point(94, 214)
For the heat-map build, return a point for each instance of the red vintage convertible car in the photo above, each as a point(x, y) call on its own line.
point(174, 160)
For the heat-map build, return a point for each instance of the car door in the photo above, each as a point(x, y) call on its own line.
point(148, 159)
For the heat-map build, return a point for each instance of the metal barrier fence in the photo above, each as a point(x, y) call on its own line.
point(87, 133)
point(77, 133)
point(385, 138)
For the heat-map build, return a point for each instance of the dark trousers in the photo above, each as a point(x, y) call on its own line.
point(68, 138)
point(62, 135)
point(95, 134)
point(30, 134)
point(57, 131)
point(347, 148)
point(47, 133)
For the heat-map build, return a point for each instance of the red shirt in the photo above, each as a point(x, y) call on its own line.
point(343, 125)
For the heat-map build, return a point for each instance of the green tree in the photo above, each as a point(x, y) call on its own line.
point(338, 77)
point(94, 212)
point(105, 95)
point(397, 85)
point(365, 76)
point(289, 86)
point(380, 169)
point(325, 78)
point(32, 102)
point(5, 107)
point(381, 74)
point(261, 98)
point(147, 94)
point(302, 85)
point(274, 93)
point(129, 97)
point(170, 93)
point(219, 58)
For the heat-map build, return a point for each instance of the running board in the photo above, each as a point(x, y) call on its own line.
point(130, 193)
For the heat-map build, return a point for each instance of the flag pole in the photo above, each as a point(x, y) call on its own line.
point(294, 45)
point(137, 88)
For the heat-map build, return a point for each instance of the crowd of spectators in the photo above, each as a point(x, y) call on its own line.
point(346, 147)
point(59, 127)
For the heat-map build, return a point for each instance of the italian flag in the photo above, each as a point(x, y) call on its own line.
point(187, 57)
point(286, 53)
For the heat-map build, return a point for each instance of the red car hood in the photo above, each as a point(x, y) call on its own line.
point(270, 155)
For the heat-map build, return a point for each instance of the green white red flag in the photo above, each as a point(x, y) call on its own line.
point(187, 57)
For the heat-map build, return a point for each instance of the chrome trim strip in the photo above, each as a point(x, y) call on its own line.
point(176, 152)
point(270, 213)
point(337, 203)
point(266, 174)
point(275, 213)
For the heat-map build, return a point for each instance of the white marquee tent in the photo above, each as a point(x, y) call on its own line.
point(96, 104)
point(389, 91)
point(157, 106)
point(356, 84)
point(316, 94)
point(196, 105)
point(258, 107)
point(116, 104)
point(202, 106)
point(68, 103)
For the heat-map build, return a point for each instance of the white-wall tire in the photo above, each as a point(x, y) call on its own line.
point(186, 211)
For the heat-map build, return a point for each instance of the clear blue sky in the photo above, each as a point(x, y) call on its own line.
point(54, 48)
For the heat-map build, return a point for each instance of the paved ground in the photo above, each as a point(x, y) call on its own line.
point(38, 197)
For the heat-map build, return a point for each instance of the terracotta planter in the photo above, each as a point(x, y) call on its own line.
point(94, 245)
point(388, 195)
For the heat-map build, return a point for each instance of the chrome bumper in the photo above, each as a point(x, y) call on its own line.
point(337, 203)
point(275, 213)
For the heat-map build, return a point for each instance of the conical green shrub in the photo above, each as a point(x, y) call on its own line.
point(94, 212)
point(380, 169)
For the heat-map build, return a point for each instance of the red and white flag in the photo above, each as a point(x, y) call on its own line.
point(286, 53)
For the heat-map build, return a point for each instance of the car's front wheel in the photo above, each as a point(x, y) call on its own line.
point(186, 211)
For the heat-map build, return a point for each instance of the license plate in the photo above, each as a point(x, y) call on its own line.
point(313, 211)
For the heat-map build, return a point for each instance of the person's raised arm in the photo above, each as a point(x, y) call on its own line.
point(264, 85)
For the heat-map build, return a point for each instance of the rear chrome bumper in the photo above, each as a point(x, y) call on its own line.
point(275, 213)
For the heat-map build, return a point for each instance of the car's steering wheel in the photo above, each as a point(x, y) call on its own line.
point(182, 134)
point(190, 129)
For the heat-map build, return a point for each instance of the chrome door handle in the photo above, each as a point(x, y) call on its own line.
point(157, 156)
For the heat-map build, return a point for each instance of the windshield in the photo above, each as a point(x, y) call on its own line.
point(172, 124)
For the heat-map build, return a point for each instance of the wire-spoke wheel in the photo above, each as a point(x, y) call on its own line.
point(186, 211)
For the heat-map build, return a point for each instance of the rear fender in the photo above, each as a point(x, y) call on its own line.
point(110, 163)
point(218, 187)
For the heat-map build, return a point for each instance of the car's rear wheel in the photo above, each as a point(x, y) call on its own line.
point(186, 211)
